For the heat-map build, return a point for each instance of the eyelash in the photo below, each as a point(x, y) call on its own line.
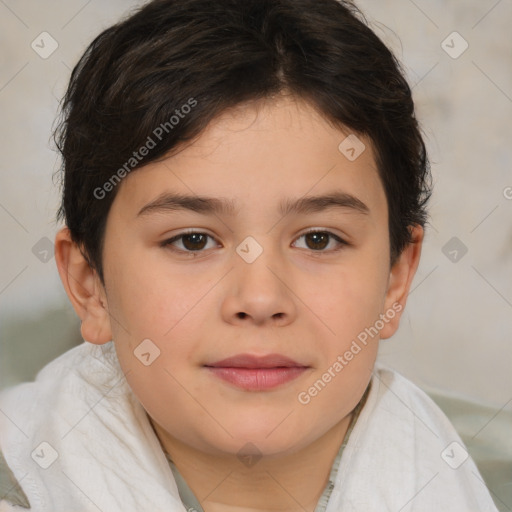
point(168, 243)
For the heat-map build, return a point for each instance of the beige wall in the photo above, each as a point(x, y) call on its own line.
point(457, 332)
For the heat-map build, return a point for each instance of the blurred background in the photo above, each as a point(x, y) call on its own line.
point(455, 340)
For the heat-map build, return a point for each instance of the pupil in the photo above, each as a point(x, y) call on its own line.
point(196, 239)
point(318, 238)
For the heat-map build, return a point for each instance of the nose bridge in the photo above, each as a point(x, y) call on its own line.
point(257, 260)
point(258, 289)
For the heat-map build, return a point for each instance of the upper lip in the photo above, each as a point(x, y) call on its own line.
point(250, 361)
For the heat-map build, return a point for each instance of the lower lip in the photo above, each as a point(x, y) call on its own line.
point(257, 379)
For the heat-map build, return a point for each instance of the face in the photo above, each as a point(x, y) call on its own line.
point(253, 278)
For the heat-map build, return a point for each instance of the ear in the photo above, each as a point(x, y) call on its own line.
point(84, 289)
point(400, 279)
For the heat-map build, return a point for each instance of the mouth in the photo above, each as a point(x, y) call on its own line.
point(257, 373)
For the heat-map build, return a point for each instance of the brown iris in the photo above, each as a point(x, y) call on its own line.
point(197, 241)
point(320, 240)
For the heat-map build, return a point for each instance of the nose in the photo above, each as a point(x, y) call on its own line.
point(260, 292)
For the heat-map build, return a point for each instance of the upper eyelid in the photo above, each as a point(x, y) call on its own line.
point(199, 232)
point(339, 238)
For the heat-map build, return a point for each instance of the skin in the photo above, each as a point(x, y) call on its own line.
point(300, 297)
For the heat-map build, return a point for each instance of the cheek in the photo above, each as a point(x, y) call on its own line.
point(148, 303)
point(353, 297)
point(146, 300)
point(350, 306)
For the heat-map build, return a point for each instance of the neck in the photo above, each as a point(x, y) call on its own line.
point(294, 482)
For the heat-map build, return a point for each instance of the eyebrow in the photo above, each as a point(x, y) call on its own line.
point(210, 205)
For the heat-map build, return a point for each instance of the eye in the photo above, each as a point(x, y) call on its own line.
point(191, 241)
point(317, 240)
point(196, 241)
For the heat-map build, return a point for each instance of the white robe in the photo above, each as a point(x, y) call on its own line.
point(101, 453)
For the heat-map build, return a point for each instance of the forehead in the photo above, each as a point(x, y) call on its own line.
point(261, 153)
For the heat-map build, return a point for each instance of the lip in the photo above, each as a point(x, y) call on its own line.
point(257, 373)
point(257, 379)
point(251, 361)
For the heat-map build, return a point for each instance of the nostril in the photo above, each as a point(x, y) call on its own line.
point(242, 315)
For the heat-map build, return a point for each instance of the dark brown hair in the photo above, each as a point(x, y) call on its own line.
point(137, 76)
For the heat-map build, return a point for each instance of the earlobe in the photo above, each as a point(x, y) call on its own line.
point(84, 289)
point(400, 279)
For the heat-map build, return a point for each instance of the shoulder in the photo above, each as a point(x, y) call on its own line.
point(91, 364)
point(404, 413)
point(23, 407)
point(74, 380)
point(12, 497)
point(22, 402)
point(46, 410)
point(402, 441)
point(398, 393)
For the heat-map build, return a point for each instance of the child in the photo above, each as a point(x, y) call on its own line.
point(244, 192)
